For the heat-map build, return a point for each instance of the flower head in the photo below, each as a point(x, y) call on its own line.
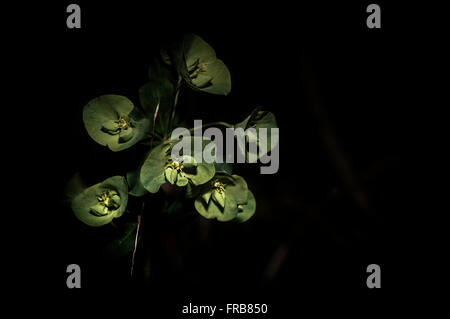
point(113, 121)
point(226, 198)
point(99, 204)
point(160, 167)
point(202, 70)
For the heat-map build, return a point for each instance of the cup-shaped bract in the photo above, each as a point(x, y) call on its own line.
point(199, 66)
point(161, 167)
point(99, 204)
point(226, 198)
point(257, 128)
point(113, 121)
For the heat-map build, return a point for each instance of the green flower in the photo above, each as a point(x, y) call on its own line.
point(101, 203)
point(160, 167)
point(113, 121)
point(202, 70)
point(177, 171)
point(226, 198)
point(257, 120)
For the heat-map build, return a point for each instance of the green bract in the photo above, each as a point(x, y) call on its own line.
point(134, 183)
point(101, 203)
point(160, 167)
point(246, 211)
point(113, 121)
point(202, 70)
point(259, 119)
point(152, 171)
point(226, 198)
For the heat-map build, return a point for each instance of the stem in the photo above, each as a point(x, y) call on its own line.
point(154, 122)
point(136, 238)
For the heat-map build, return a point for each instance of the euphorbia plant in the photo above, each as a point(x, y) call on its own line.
point(117, 123)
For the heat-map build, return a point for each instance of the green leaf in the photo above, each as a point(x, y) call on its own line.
point(236, 188)
point(87, 207)
point(125, 244)
point(113, 121)
point(152, 171)
point(197, 50)
point(219, 198)
point(204, 71)
point(246, 211)
point(212, 210)
point(182, 181)
point(201, 174)
point(192, 191)
point(171, 175)
point(226, 168)
point(207, 196)
point(134, 182)
point(220, 82)
point(259, 119)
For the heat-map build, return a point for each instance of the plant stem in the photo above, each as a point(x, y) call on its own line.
point(154, 122)
point(136, 238)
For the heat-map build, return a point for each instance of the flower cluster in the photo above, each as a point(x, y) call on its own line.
point(115, 122)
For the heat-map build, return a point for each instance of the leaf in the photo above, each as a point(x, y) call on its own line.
point(192, 191)
point(236, 188)
point(257, 120)
point(134, 182)
point(212, 210)
point(246, 211)
point(152, 171)
point(196, 49)
point(182, 181)
point(103, 115)
point(171, 175)
point(125, 244)
point(86, 204)
point(219, 198)
point(223, 168)
point(220, 79)
point(202, 70)
point(202, 173)
point(207, 196)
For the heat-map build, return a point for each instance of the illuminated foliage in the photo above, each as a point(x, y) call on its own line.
point(208, 188)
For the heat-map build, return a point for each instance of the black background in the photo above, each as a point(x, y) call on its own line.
point(336, 205)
